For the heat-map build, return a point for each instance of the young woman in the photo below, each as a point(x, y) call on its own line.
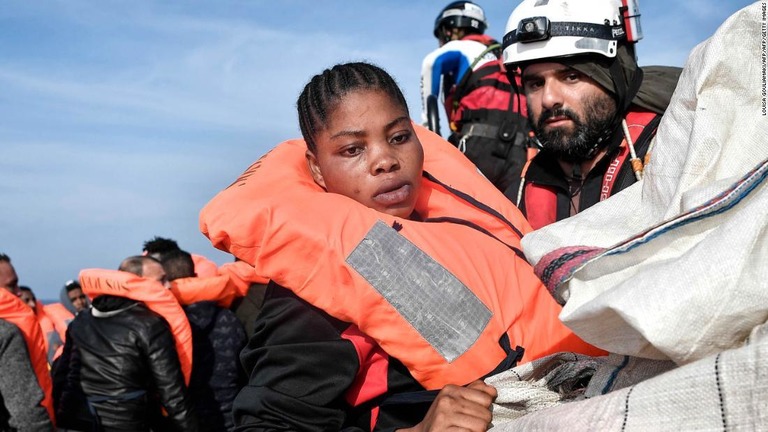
point(392, 293)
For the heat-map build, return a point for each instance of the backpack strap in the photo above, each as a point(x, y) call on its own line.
point(463, 85)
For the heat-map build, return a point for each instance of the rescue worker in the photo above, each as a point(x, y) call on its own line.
point(594, 111)
point(486, 117)
point(384, 281)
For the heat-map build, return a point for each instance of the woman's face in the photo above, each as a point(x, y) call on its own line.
point(369, 152)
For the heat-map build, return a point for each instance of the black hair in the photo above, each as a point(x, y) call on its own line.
point(27, 289)
point(178, 264)
point(160, 246)
point(72, 284)
point(324, 91)
point(5, 258)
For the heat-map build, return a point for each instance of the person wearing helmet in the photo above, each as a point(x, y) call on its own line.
point(593, 110)
point(486, 117)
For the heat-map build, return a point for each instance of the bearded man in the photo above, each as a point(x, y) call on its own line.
point(592, 109)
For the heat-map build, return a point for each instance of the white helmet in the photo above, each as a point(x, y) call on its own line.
point(541, 29)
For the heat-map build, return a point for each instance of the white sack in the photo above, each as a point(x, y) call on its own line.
point(723, 392)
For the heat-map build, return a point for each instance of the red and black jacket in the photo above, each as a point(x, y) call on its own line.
point(546, 194)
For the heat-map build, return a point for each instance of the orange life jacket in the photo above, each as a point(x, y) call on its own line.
point(16, 312)
point(156, 297)
point(437, 294)
point(241, 276)
point(204, 267)
point(541, 201)
point(196, 289)
point(54, 319)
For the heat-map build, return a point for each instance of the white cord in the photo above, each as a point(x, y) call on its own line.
point(631, 145)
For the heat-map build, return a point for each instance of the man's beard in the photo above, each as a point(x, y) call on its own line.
point(580, 143)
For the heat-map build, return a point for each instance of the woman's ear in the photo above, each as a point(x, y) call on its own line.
point(314, 168)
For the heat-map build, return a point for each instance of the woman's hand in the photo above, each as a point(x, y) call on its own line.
point(459, 409)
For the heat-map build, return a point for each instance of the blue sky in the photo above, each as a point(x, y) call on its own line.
point(121, 119)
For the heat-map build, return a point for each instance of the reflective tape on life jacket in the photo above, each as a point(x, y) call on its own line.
point(436, 294)
point(196, 289)
point(541, 200)
point(155, 296)
point(18, 313)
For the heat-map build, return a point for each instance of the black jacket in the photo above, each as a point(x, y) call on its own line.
point(127, 367)
point(544, 170)
point(300, 369)
point(217, 338)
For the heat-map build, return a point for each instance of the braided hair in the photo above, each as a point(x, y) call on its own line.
point(324, 91)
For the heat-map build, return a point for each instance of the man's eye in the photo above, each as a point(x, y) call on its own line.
point(572, 77)
point(532, 85)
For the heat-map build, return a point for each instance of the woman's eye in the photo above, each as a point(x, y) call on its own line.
point(351, 151)
point(401, 138)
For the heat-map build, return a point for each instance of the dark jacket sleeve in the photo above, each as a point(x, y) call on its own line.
point(299, 368)
point(166, 373)
point(69, 400)
point(228, 376)
point(21, 395)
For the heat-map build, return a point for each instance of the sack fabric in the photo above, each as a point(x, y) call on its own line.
point(670, 274)
point(724, 392)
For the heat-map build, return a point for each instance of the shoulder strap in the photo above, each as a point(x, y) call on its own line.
point(463, 84)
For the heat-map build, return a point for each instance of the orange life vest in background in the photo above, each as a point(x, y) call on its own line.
point(241, 276)
point(438, 295)
point(204, 267)
point(196, 289)
point(54, 319)
point(18, 313)
point(156, 297)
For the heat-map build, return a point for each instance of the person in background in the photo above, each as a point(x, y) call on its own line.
point(25, 385)
point(119, 370)
point(8, 278)
point(27, 296)
point(159, 246)
point(53, 319)
point(73, 298)
point(486, 117)
point(217, 338)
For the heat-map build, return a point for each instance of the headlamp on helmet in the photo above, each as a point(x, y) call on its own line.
point(533, 29)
